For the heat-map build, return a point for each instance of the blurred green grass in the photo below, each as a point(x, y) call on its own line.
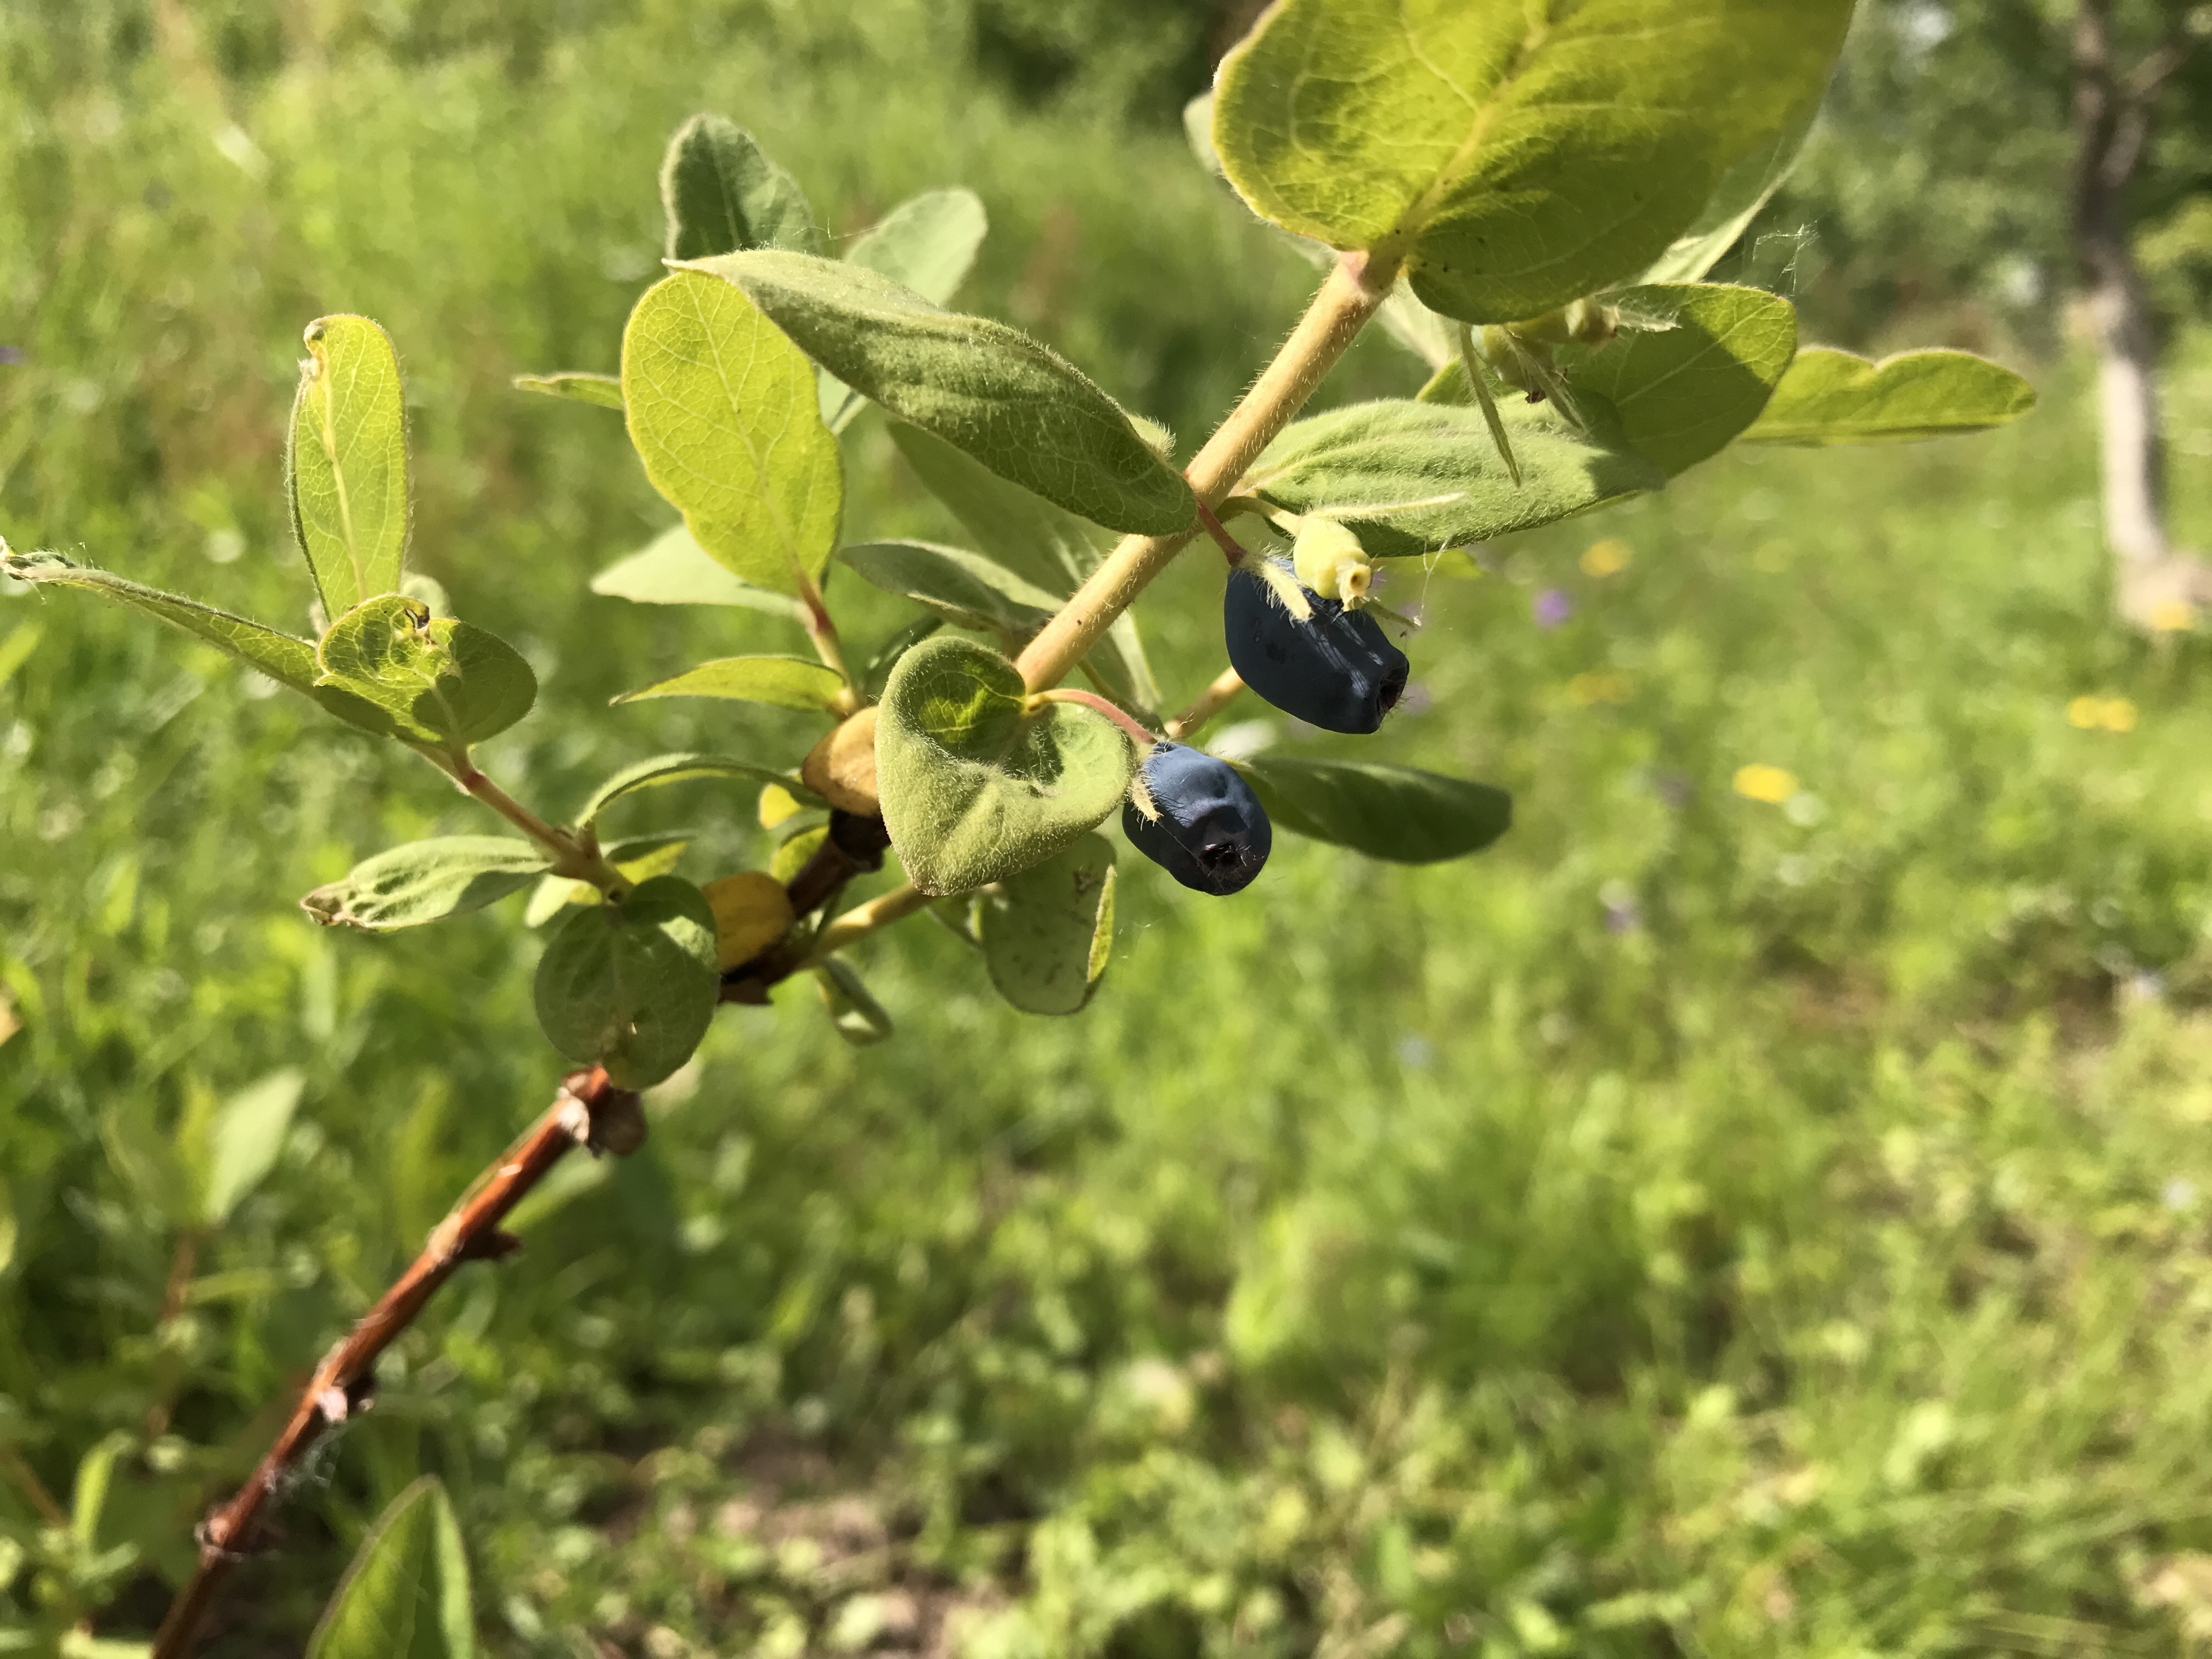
point(1700, 1225)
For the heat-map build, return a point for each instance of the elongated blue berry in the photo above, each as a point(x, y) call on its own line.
point(1333, 668)
point(1206, 828)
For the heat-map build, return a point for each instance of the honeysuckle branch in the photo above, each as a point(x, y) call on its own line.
point(822, 628)
point(862, 920)
point(576, 856)
point(1236, 551)
point(589, 1111)
point(1352, 294)
point(1208, 704)
point(1112, 711)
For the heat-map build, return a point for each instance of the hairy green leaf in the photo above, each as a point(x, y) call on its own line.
point(1031, 537)
point(1392, 812)
point(605, 390)
point(859, 1017)
point(975, 787)
point(427, 881)
point(780, 682)
point(1046, 933)
point(1519, 157)
point(966, 589)
point(1684, 393)
point(1830, 396)
point(1413, 477)
point(440, 680)
point(879, 666)
point(722, 194)
point(1017, 406)
point(631, 984)
point(663, 770)
point(243, 1139)
point(347, 462)
point(928, 244)
point(723, 412)
point(287, 661)
point(406, 1595)
point(673, 568)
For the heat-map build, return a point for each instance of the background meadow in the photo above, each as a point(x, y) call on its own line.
point(1708, 1224)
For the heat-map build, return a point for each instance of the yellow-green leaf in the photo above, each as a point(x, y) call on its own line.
point(349, 462)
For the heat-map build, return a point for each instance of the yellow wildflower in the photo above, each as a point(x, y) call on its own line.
point(1768, 783)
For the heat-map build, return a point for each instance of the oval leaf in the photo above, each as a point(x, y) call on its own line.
point(1392, 812)
point(1747, 185)
point(662, 770)
point(1684, 393)
point(243, 1139)
point(673, 568)
point(440, 680)
point(1830, 397)
point(1415, 477)
point(927, 244)
point(723, 412)
point(976, 789)
point(1519, 157)
point(631, 984)
point(1047, 934)
point(966, 589)
point(1033, 538)
point(427, 881)
point(780, 682)
point(605, 390)
point(721, 193)
point(284, 659)
point(1017, 406)
point(397, 1598)
point(347, 462)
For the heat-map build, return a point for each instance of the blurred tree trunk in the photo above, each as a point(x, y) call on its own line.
point(2157, 585)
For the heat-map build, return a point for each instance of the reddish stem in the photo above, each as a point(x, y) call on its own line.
point(1236, 550)
point(589, 1110)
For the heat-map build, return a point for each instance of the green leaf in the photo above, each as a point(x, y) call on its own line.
point(148, 1163)
point(859, 1017)
point(1684, 393)
point(928, 244)
point(427, 881)
point(605, 390)
point(287, 661)
point(406, 1595)
point(640, 859)
point(1747, 185)
point(631, 984)
point(243, 1139)
point(966, 589)
point(879, 666)
point(674, 569)
point(663, 770)
point(1414, 477)
point(1046, 933)
point(722, 194)
point(1519, 157)
point(723, 412)
point(440, 680)
point(1391, 812)
point(1017, 406)
point(780, 682)
point(974, 786)
point(1830, 396)
point(793, 853)
point(347, 462)
point(1033, 538)
point(95, 1474)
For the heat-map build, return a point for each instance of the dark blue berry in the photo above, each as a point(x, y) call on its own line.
point(1336, 670)
point(1211, 833)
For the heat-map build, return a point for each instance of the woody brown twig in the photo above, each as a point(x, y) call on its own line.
point(589, 1111)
